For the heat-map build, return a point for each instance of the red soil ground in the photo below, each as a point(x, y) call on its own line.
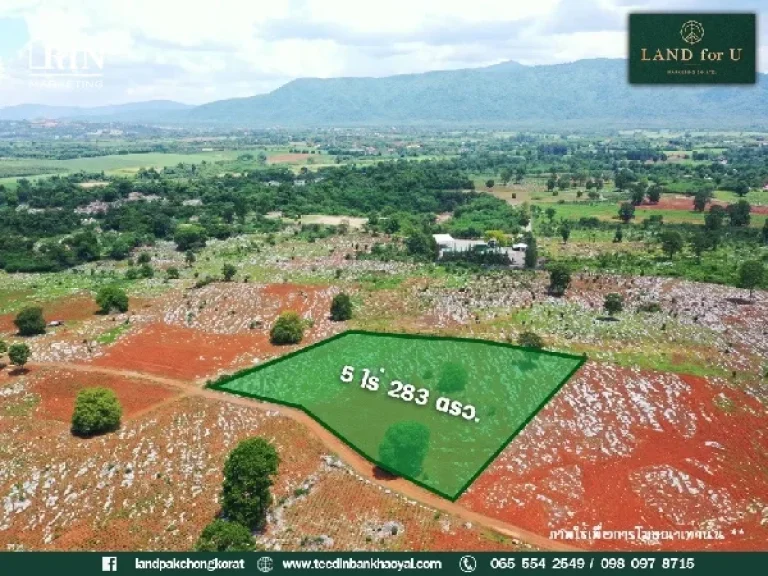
point(58, 389)
point(66, 309)
point(684, 203)
point(619, 448)
point(184, 353)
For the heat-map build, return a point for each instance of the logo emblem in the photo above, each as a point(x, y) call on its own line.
point(692, 32)
point(264, 564)
point(108, 564)
point(468, 564)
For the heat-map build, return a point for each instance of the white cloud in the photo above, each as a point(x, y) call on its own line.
point(201, 51)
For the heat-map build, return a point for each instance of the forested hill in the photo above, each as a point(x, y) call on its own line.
point(587, 93)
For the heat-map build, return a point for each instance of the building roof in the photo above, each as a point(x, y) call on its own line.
point(443, 238)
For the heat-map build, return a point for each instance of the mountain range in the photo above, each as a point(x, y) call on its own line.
point(586, 93)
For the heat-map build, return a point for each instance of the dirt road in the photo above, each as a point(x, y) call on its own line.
point(354, 460)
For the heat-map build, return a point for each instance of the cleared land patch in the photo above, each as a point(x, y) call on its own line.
point(433, 410)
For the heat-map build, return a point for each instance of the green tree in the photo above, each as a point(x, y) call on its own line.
point(700, 243)
point(751, 275)
point(404, 447)
point(173, 273)
point(613, 303)
point(341, 307)
point(742, 189)
point(638, 193)
point(619, 235)
point(738, 213)
point(228, 271)
point(111, 298)
point(422, 245)
point(626, 212)
point(189, 257)
point(453, 378)
point(551, 183)
point(287, 329)
point(30, 321)
point(490, 183)
point(671, 242)
point(530, 340)
point(223, 536)
point(654, 193)
point(531, 253)
point(550, 213)
point(189, 237)
point(559, 279)
point(144, 258)
point(97, 410)
point(715, 218)
point(19, 354)
point(701, 199)
point(505, 175)
point(565, 231)
point(248, 472)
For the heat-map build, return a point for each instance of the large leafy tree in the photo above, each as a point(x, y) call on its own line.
point(248, 473)
point(112, 298)
point(287, 329)
point(559, 279)
point(97, 410)
point(404, 447)
point(751, 275)
point(30, 321)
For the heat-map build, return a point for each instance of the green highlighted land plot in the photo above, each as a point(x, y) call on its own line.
point(434, 410)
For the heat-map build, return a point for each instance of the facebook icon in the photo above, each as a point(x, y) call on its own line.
point(108, 564)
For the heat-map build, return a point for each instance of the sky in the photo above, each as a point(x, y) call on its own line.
point(196, 52)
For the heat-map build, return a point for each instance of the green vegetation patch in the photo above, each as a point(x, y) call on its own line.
point(434, 410)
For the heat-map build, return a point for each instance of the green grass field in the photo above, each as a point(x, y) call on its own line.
point(457, 402)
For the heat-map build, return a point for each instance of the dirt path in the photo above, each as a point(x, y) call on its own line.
point(359, 464)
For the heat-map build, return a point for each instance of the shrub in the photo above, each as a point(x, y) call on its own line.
point(144, 258)
point(173, 273)
point(453, 378)
point(97, 410)
point(613, 303)
point(30, 321)
point(530, 340)
point(341, 308)
point(223, 536)
point(288, 329)
point(248, 471)
point(110, 298)
point(19, 354)
point(228, 271)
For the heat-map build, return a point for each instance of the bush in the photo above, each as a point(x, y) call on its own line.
point(19, 354)
point(228, 271)
point(173, 273)
point(453, 378)
point(223, 536)
point(97, 410)
point(248, 471)
point(30, 321)
point(613, 303)
point(288, 329)
point(111, 298)
point(341, 308)
point(530, 340)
